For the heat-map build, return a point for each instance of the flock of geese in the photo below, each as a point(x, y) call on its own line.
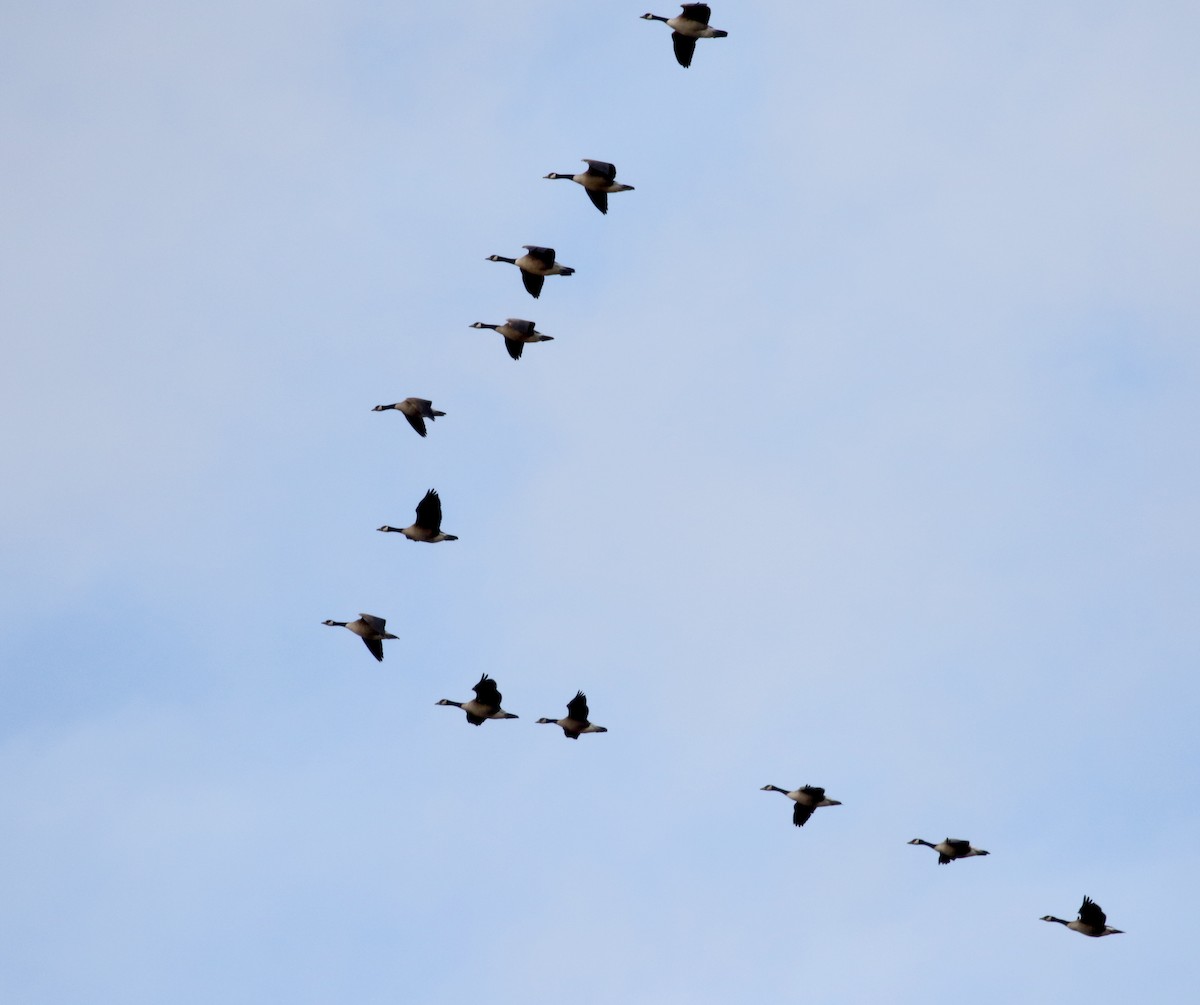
point(599, 181)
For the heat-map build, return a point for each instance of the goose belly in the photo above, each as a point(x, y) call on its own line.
point(691, 29)
point(592, 182)
point(527, 264)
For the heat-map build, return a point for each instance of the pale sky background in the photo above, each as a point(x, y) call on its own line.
point(865, 456)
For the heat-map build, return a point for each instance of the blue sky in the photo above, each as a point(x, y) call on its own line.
point(864, 456)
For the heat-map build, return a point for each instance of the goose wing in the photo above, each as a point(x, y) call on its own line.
point(599, 199)
point(514, 348)
point(801, 813)
point(601, 169)
point(521, 327)
point(577, 707)
point(697, 12)
point(486, 691)
point(414, 419)
point(544, 256)
point(815, 791)
point(377, 625)
point(533, 283)
point(416, 411)
point(429, 512)
point(685, 48)
point(376, 648)
point(958, 846)
point(1090, 914)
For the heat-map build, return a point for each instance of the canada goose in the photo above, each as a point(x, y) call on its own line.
point(415, 410)
point(807, 799)
point(1091, 921)
point(368, 628)
point(516, 333)
point(486, 704)
point(951, 848)
point(576, 721)
point(598, 180)
point(535, 267)
point(428, 527)
point(688, 26)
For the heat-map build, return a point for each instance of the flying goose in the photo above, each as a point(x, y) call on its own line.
point(1091, 921)
point(951, 848)
point(516, 333)
point(486, 704)
point(368, 628)
point(807, 799)
point(535, 267)
point(415, 410)
point(428, 527)
point(576, 721)
point(686, 28)
point(598, 180)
